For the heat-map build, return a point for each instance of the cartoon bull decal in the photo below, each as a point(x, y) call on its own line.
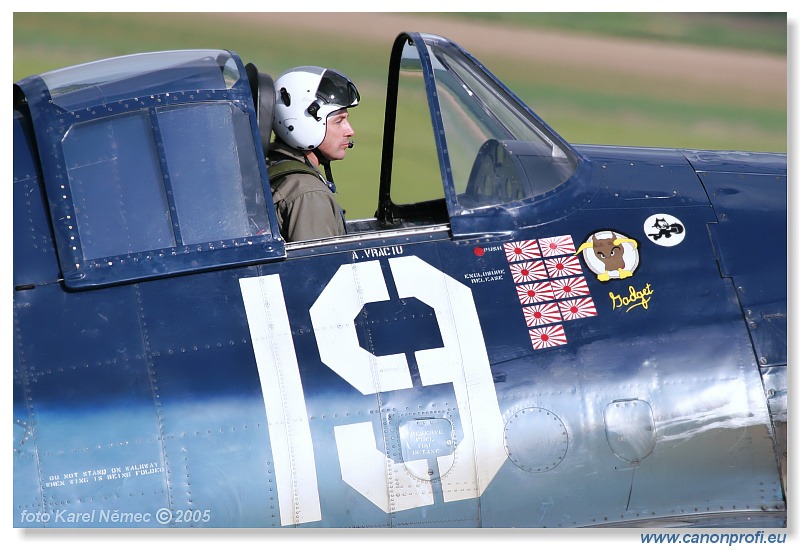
point(610, 255)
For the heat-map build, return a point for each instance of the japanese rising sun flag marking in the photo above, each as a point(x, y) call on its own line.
point(548, 337)
point(550, 286)
point(577, 309)
point(563, 267)
point(557, 246)
point(569, 288)
point(528, 271)
point(522, 250)
point(541, 314)
point(535, 292)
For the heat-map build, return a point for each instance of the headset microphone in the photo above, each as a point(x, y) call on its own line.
point(351, 144)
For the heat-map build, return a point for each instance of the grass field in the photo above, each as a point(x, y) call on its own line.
point(585, 95)
point(744, 31)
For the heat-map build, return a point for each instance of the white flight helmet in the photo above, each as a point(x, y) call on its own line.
point(304, 98)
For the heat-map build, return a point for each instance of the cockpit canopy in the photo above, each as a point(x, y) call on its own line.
point(492, 150)
point(153, 164)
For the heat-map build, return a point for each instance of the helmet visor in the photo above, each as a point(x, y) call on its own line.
point(337, 89)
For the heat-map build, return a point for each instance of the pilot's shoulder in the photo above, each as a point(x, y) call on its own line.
point(295, 185)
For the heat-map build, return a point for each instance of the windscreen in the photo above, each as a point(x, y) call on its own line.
point(491, 136)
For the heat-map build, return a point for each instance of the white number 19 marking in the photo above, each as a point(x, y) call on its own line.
point(462, 361)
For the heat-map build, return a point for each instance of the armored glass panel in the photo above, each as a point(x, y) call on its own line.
point(116, 184)
point(213, 172)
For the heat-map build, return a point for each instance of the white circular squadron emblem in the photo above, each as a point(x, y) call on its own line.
point(664, 230)
point(610, 255)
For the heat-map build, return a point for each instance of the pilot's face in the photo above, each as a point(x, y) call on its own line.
point(337, 135)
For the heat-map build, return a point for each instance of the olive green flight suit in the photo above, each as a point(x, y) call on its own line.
point(306, 206)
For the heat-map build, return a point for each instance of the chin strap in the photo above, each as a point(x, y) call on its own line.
point(326, 164)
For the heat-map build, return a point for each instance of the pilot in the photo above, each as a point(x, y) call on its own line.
point(312, 129)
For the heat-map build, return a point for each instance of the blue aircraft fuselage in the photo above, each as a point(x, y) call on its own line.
point(568, 336)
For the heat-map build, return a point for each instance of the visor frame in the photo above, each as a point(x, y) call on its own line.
point(336, 89)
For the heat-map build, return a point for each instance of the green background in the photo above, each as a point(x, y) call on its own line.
point(586, 105)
